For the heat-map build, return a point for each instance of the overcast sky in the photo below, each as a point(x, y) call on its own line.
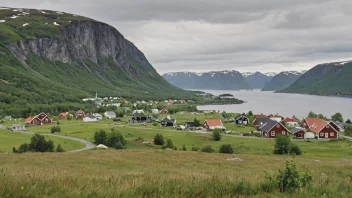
point(210, 35)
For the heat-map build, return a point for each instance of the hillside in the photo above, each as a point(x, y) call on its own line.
point(256, 80)
point(282, 80)
point(333, 79)
point(54, 57)
point(217, 80)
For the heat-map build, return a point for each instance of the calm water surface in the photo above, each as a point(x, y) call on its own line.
point(284, 104)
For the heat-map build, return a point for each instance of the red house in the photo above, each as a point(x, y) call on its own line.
point(164, 111)
point(259, 120)
point(64, 115)
point(213, 124)
point(297, 133)
point(321, 128)
point(272, 129)
point(40, 119)
point(80, 114)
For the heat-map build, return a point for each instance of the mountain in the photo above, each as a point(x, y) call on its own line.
point(217, 80)
point(282, 80)
point(256, 80)
point(333, 79)
point(53, 57)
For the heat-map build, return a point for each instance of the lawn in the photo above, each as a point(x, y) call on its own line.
point(10, 139)
point(162, 173)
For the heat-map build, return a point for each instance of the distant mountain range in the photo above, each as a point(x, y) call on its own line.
point(257, 80)
point(282, 80)
point(217, 80)
point(325, 79)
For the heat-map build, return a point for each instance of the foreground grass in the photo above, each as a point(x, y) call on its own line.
point(158, 173)
point(10, 139)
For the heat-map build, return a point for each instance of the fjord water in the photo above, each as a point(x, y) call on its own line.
point(267, 102)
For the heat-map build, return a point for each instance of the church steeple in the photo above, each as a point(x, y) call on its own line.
point(96, 95)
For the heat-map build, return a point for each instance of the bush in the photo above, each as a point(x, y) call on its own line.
point(100, 137)
point(348, 131)
point(184, 148)
point(284, 146)
point(196, 122)
point(1, 121)
point(55, 129)
point(194, 148)
point(159, 140)
point(118, 145)
point(217, 135)
point(169, 144)
point(111, 139)
point(116, 119)
point(207, 149)
point(348, 121)
point(290, 179)
point(37, 144)
point(139, 139)
point(226, 148)
point(155, 124)
point(59, 148)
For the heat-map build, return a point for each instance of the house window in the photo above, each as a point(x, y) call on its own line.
point(327, 126)
point(273, 133)
point(277, 126)
point(283, 133)
point(321, 134)
point(332, 134)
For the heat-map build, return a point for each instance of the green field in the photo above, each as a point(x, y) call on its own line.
point(10, 139)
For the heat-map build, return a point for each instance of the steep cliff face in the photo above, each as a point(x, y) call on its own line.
point(66, 50)
point(325, 79)
point(217, 80)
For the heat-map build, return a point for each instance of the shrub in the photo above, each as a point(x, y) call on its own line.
point(59, 148)
point(290, 179)
point(184, 148)
point(118, 145)
point(207, 149)
point(196, 122)
point(139, 139)
point(114, 138)
point(217, 135)
point(348, 121)
point(169, 144)
point(159, 140)
point(1, 121)
point(116, 119)
point(226, 148)
point(348, 130)
point(284, 146)
point(100, 137)
point(55, 129)
point(194, 148)
point(155, 124)
point(39, 144)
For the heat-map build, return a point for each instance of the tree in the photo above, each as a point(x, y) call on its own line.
point(158, 139)
point(226, 148)
point(100, 137)
point(284, 146)
point(337, 117)
point(184, 148)
point(311, 114)
point(37, 144)
point(55, 129)
point(348, 131)
point(196, 122)
point(250, 113)
point(348, 121)
point(217, 135)
point(59, 148)
point(169, 144)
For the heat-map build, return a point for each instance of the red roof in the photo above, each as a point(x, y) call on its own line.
point(260, 116)
point(289, 120)
point(28, 120)
point(213, 123)
point(315, 124)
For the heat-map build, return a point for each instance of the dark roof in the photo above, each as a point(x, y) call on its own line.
point(268, 125)
point(295, 130)
point(139, 115)
point(91, 116)
point(262, 120)
point(168, 120)
point(239, 116)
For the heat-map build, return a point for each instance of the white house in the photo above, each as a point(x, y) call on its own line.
point(138, 111)
point(18, 127)
point(277, 119)
point(98, 116)
point(7, 118)
point(155, 111)
point(110, 115)
point(90, 118)
point(291, 122)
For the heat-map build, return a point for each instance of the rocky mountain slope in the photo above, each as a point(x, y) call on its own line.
point(219, 80)
point(282, 80)
point(256, 80)
point(48, 56)
point(325, 79)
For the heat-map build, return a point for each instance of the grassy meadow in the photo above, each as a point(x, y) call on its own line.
point(161, 173)
point(145, 170)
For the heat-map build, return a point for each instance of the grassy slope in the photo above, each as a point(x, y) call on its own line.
point(334, 84)
point(131, 173)
point(9, 139)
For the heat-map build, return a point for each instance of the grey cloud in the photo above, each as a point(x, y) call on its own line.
point(268, 35)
